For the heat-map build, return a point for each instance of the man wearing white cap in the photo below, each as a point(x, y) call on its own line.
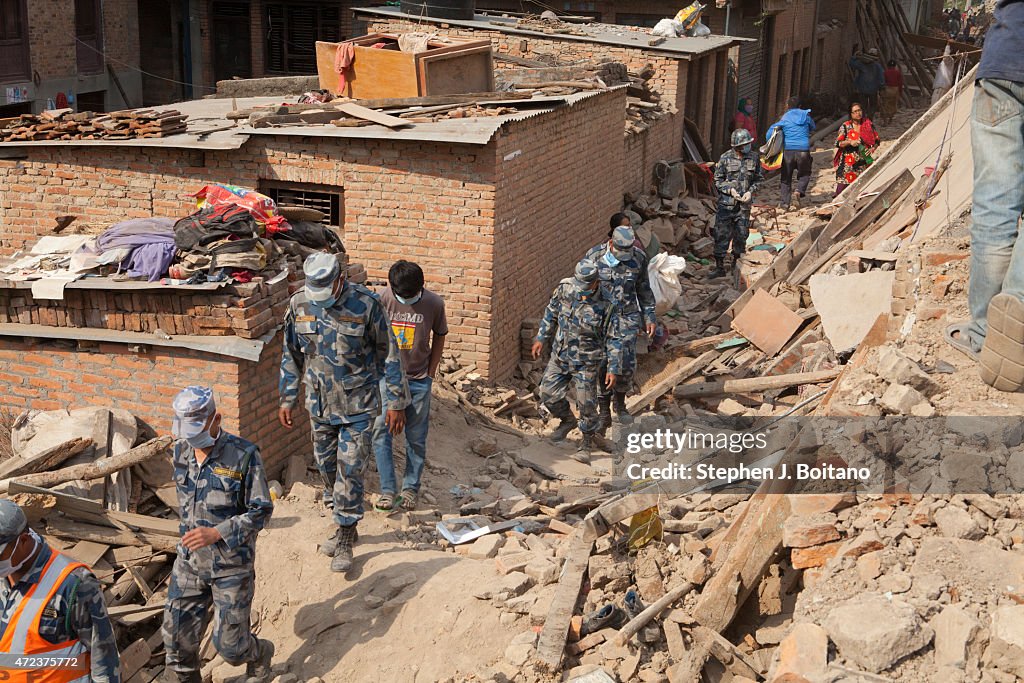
point(224, 502)
point(51, 608)
point(338, 341)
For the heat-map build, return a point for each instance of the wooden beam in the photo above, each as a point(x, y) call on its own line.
point(134, 657)
point(641, 620)
point(602, 518)
point(40, 462)
point(940, 44)
point(755, 384)
point(87, 552)
point(680, 369)
point(66, 528)
point(95, 470)
point(551, 645)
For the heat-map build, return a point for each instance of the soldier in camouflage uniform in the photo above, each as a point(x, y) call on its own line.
point(737, 177)
point(50, 606)
point(224, 502)
point(338, 340)
point(578, 321)
point(622, 270)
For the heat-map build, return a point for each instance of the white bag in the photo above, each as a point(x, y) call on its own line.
point(667, 28)
point(699, 30)
point(663, 272)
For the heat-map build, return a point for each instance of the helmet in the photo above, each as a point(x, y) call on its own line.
point(741, 136)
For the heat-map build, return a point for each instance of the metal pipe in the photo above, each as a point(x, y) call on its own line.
point(728, 10)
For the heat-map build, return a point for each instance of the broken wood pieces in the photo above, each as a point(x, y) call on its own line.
point(680, 370)
point(551, 646)
point(767, 323)
point(755, 384)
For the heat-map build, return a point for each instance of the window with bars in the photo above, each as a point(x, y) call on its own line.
point(14, 54)
point(326, 199)
point(292, 30)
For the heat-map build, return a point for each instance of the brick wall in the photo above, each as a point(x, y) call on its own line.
point(550, 207)
point(51, 30)
point(121, 33)
point(51, 374)
point(794, 32)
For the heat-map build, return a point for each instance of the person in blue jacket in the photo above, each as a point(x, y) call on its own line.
point(797, 126)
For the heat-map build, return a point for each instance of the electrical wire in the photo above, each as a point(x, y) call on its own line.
point(132, 67)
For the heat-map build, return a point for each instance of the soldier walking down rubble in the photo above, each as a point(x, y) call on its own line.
point(737, 177)
point(50, 607)
point(338, 340)
point(579, 323)
point(622, 272)
point(224, 502)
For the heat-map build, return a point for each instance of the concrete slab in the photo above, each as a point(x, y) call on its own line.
point(850, 304)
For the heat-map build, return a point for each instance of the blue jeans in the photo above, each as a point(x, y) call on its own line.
point(417, 421)
point(997, 256)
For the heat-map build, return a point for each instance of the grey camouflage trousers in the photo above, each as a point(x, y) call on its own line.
point(187, 614)
point(555, 385)
point(342, 453)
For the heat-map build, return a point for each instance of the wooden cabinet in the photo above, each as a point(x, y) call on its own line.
point(446, 67)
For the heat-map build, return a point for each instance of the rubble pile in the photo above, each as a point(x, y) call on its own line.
point(64, 124)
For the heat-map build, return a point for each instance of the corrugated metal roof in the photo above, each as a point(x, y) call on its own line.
point(679, 48)
point(471, 131)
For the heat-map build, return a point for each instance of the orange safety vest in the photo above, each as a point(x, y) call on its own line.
point(25, 656)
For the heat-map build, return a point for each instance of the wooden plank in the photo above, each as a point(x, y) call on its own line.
point(756, 384)
point(758, 539)
point(551, 645)
point(66, 528)
point(131, 554)
point(73, 506)
point(940, 43)
point(88, 552)
point(650, 612)
point(140, 581)
point(767, 323)
point(91, 511)
point(48, 459)
point(134, 657)
point(679, 370)
point(361, 112)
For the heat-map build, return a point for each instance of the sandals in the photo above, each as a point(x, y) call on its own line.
point(956, 336)
point(1002, 356)
point(385, 503)
point(407, 501)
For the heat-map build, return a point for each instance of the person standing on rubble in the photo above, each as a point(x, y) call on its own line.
point(797, 126)
point(579, 323)
point(420, 326)
point(224, 501)
point(50, 607)
point(856, 142)
point(738, 175)
point(995, 334)
point(338, 341)
point(622, 272)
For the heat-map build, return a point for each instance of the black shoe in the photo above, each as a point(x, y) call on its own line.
point(582, 453)
point(342, 561)
point(632, 606)
point(330, 545)
point(564, 427)
point(259, 671)
point(719, 270)
point(608, 616)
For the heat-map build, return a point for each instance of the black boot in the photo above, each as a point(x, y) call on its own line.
point(342, 561)
point(582, 453)
point(719, 270)
point(604, 414)
point(259, 671)
point(564, 427)
point(331, 544)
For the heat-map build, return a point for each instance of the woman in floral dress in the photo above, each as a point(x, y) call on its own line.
point(855, 143)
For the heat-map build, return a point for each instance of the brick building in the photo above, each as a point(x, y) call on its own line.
point(476, 202)
point(691, 74)
point(84, 52)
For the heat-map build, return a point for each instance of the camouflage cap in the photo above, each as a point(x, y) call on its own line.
point(623, 239)
point(193, 406)
point(13, 522)
point(321, 270)
point(586, 271)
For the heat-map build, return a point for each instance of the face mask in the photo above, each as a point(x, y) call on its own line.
point(327, 303)
point(749, 109)
point(411, 301)
point(746, 148)
point(6, 567)
point(203, 439)
point(609, 258)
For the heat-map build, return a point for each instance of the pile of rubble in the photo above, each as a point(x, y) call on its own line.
point(64, 124)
